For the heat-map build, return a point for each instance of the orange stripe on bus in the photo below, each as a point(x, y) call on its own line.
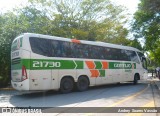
point(104, 65)
point(90, 64)
point(75, 41)
point(94, 73)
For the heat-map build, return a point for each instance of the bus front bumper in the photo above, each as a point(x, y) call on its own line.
point(24, 85)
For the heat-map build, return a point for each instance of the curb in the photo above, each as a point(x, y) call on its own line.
point(156, 81)
point(158, 85)
point(7, 89)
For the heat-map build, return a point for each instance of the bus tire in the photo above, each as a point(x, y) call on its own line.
point(66, 85)
point(82, 83)
point(135, 81)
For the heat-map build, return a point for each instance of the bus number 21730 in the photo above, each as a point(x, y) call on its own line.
point(46, 64)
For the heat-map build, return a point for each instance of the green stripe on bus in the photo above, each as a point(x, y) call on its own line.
point(102, 73)
point(26, 63)
point(98, 65)
point(80, 64)
point(44, 64)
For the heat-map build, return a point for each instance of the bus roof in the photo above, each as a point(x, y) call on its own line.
point(98, 43)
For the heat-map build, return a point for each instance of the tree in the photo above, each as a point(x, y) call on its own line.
point(7, 33)
point(147, 26)
point(85, 19)
point(135, 43)
point(13, 24)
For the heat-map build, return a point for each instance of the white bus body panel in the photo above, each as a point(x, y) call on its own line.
point(40, 80)
point(21, 86)
point(49, 79)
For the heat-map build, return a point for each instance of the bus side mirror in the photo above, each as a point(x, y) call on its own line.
point(149, 61)
point(144, 62)
point(142, 58)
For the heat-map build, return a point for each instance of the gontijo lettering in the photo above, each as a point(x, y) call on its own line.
point(122, 65)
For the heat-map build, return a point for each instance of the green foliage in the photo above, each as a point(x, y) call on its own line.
point(135, 43)
point(147, 26)
point(7, 32)
point(86, 19)
point(12, 25)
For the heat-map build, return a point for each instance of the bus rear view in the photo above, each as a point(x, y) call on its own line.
point(19, 68)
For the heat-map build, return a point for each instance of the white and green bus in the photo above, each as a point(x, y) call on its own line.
point(43, 62)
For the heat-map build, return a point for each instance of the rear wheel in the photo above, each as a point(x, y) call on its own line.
point(66, 85)
point(82, 83)
point(135, 81)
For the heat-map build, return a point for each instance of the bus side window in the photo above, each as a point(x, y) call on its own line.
point(128, 54)
point(40, 46)
point(53, 48)
point(76, 50)
point(101, 49)
point(134, 57)
point(98, 52)
point(84, 48)
point(113, 54)
point(123, 55)
point(67, 51)
point(59, 49)
point(103, 52)
point(91, 52)
point(73, 51)
point(118, 54)
point(108, 54)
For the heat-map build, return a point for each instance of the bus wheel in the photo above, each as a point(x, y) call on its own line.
point(82, 83)
point(135, 81)
point(66, 85)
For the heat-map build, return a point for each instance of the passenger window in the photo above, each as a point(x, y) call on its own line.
point(40, 46)
point(132, 56)
point(66, 49)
